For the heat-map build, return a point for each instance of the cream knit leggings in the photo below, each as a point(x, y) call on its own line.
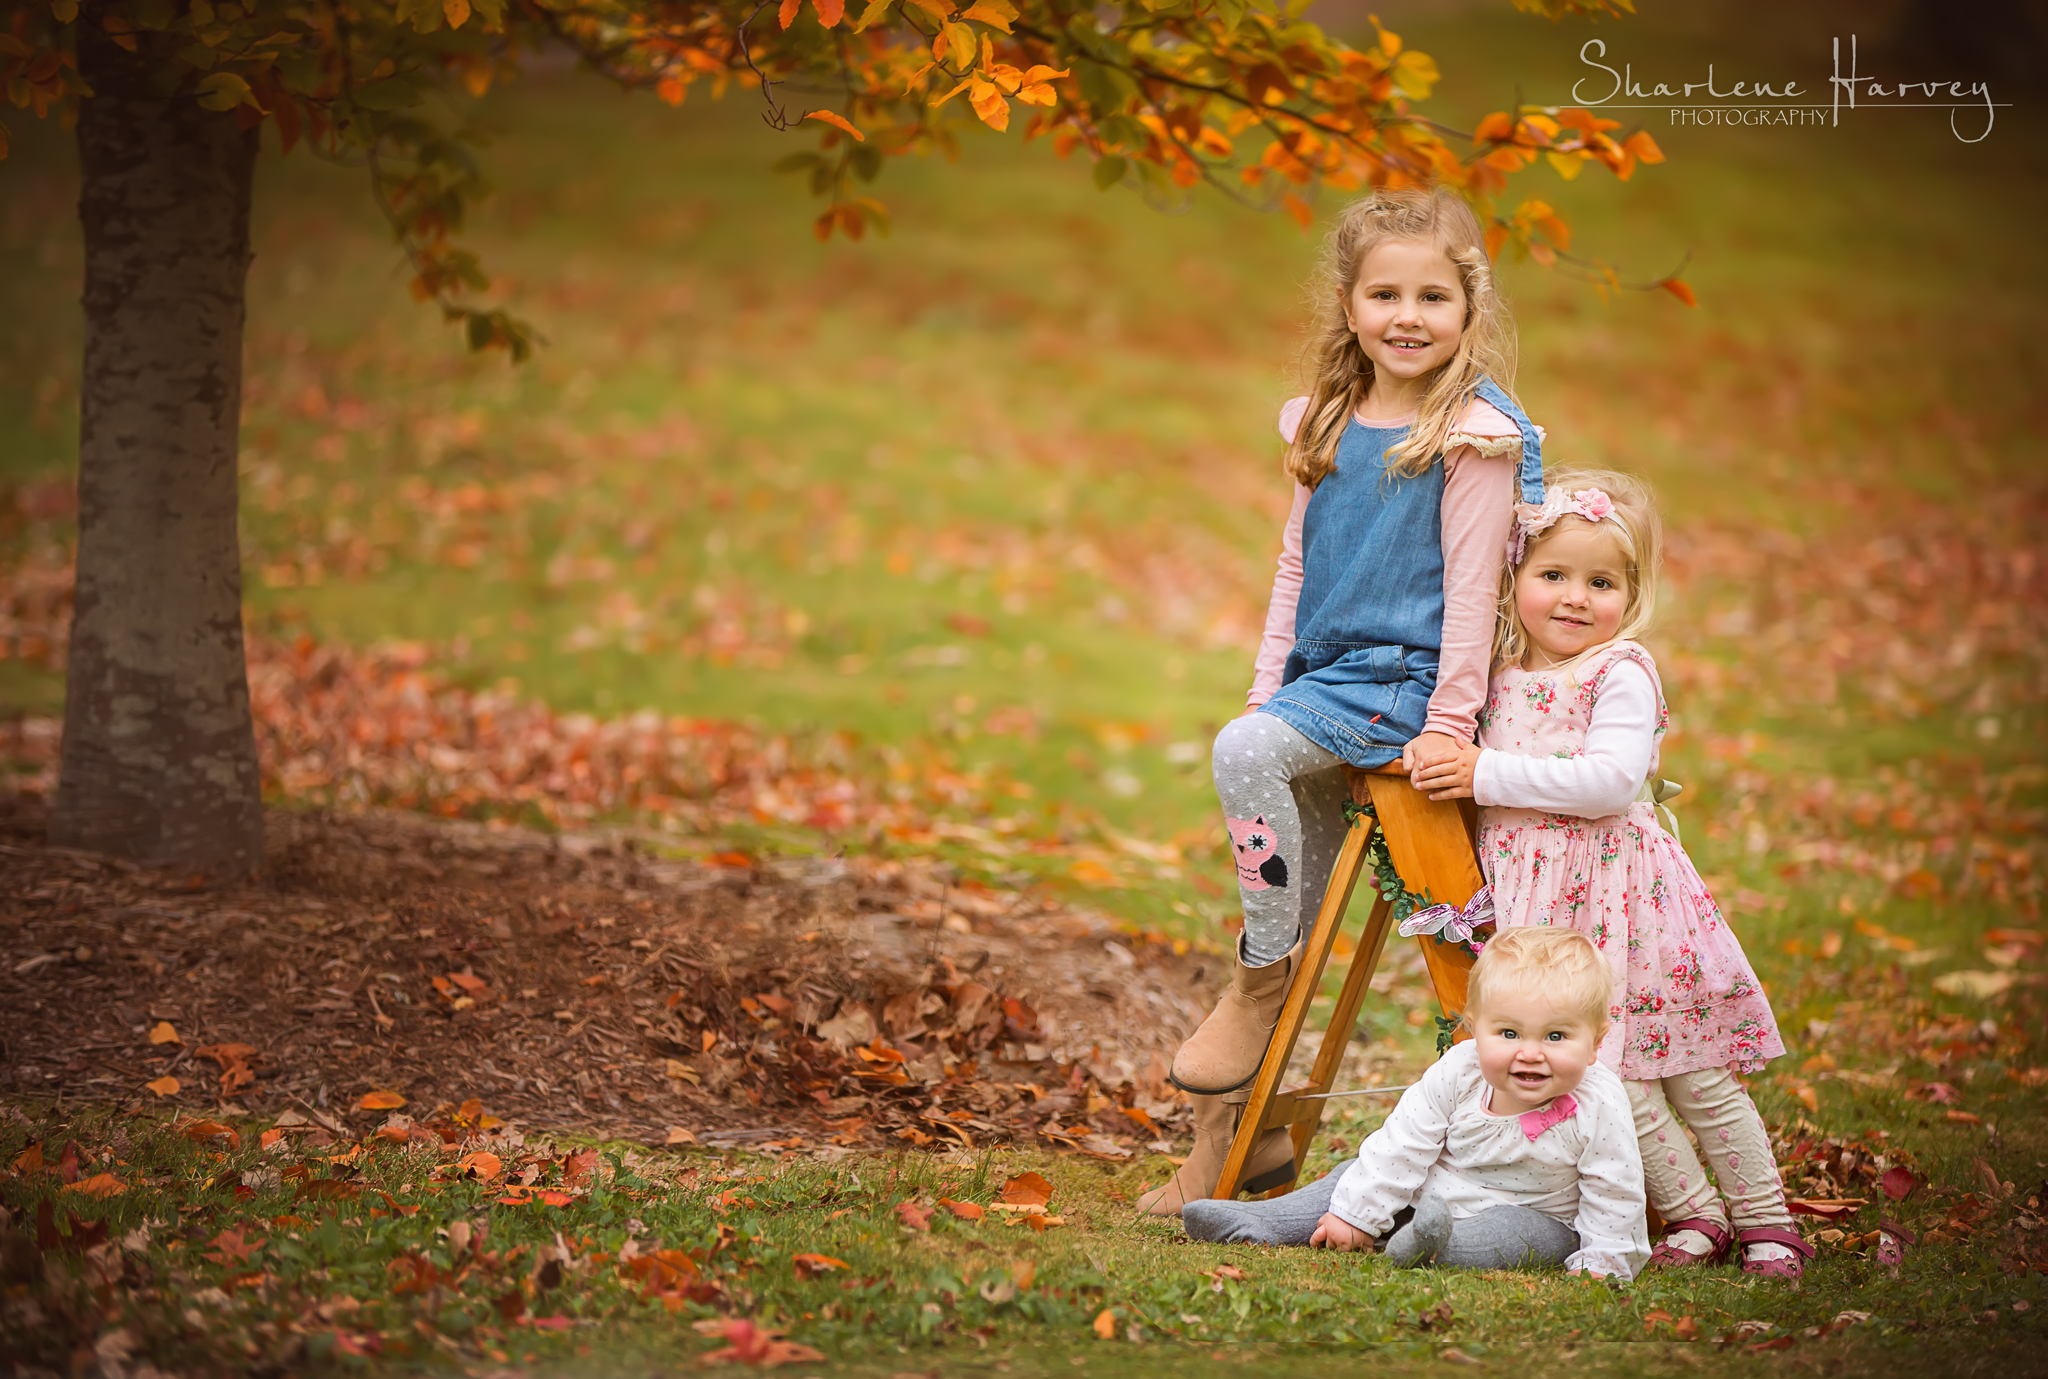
point(1713, 1104)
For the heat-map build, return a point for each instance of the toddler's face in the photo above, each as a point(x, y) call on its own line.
point(1572, 589)
point(1529, 1052)
point(1407, 307)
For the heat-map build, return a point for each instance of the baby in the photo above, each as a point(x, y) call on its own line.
point(1516, 1148)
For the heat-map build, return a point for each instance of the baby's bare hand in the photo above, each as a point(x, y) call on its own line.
point(1333, 1232)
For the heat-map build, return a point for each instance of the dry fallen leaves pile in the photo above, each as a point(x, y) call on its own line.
point(574, 980)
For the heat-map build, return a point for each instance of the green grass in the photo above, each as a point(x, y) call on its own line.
point(327, 1269)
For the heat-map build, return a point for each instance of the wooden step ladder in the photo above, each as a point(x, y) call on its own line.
point(1431, 844)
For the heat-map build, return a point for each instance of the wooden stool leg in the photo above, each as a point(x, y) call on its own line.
point(1308, 1115)
point(1287, 1030)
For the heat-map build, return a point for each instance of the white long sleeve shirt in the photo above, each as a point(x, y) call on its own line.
point(1619, 749)
point(1579, 1164)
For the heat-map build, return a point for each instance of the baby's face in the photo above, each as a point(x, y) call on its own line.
point(1529, 1051)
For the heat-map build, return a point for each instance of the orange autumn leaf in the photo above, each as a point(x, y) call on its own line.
point(99, 1185)
point(481, 1165)
point(966, 1211)
point(1105, 1325)
point(837, 121)
point(380, 1101)
point(164, 1086)
point(163, 1032)
point(1027, 1190)
point(1680, 291)
point(809, 1266)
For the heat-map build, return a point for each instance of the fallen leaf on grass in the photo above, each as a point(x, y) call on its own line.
point(575, 1167)
point(752, 1345)
point(966, 1211)
point(1979, 985)
point(1828, 1209)
point(200, 1131)
point(327, 1190)
point(1964, 1117)
point(1438, 1317)
point(809, 1266)
point(1899, 1182)
point(99, 1185)
point(912, 1215)
point(380, 1101)
point(1940, 1093)
point(233, 1245)
point(481, 1165)
point(1026, 1190)
point(678, 1135)
point(164, 1086)
point(1105, 1325)
point(523, 1196)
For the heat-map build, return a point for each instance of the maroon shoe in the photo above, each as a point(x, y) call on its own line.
point(1669, 1256)
point(1791, 1270)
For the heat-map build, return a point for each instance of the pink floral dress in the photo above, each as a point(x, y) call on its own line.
point(1688, 998)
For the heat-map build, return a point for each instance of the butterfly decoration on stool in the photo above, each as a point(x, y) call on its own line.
point(1453, 924)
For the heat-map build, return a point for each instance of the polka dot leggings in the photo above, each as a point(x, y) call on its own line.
point(1714, 1106)
point(1283, 803)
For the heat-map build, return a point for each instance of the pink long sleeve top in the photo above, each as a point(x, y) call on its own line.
point(1478, 508)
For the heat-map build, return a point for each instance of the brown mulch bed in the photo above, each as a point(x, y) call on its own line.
point(582, 982)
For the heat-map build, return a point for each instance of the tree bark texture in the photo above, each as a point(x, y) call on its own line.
point(159, 757)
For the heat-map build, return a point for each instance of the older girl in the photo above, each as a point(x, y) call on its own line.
point(1406, 457)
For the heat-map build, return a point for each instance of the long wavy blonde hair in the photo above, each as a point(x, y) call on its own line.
point(1636, 528)
point(1341, 373)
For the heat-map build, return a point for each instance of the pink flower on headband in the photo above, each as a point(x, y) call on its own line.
point(1590, 503)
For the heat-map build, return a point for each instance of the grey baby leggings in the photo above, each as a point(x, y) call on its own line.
point(1503, 1237)
point(1283, 802)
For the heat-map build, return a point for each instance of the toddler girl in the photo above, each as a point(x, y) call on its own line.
point(1405, 464)
point(1517, 1147)
point(1567, 739)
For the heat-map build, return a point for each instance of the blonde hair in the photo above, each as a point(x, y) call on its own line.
point(1562, 964)
point(1635, 527)
point(1341, 372)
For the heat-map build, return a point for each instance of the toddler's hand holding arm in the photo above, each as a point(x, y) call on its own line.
point(1448, 777)
point(1333, 1232)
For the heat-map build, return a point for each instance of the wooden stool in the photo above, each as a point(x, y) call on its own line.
point(1431, 844)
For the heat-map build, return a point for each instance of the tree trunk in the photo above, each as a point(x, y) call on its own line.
point(159, 758)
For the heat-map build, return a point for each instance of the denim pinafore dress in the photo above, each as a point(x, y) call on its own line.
point(1370, 624)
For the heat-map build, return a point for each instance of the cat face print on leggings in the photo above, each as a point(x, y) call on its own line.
point(1259, 867)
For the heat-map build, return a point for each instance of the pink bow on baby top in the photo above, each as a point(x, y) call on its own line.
point(1534, 1123)
point(1590, 503)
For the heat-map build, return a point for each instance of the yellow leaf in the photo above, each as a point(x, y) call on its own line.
point(164, 1033)
point(875, 10)
point(380, 1101)
point(961, 44)
point(1415, 74)
point(225, 91)
point(997, 14)
point(164, 1086)
point(1567, 164)
point(681, 1071)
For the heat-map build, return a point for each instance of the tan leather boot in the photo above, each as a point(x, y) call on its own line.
point(1271, 1164)
point(1226, 1051)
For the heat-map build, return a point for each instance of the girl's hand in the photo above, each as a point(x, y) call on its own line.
point(1448, 777)
point(1426, 748)
point(1333, 1232)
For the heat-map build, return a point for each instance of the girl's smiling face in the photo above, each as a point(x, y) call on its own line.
point(1572, 590)
point(1529, 1052)
point(1407, 308)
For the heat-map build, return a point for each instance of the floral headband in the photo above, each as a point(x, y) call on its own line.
point(1589, 503)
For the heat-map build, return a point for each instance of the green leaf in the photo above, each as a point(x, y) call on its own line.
point(1109, 171)
point(867, 162)
point(393, 93)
